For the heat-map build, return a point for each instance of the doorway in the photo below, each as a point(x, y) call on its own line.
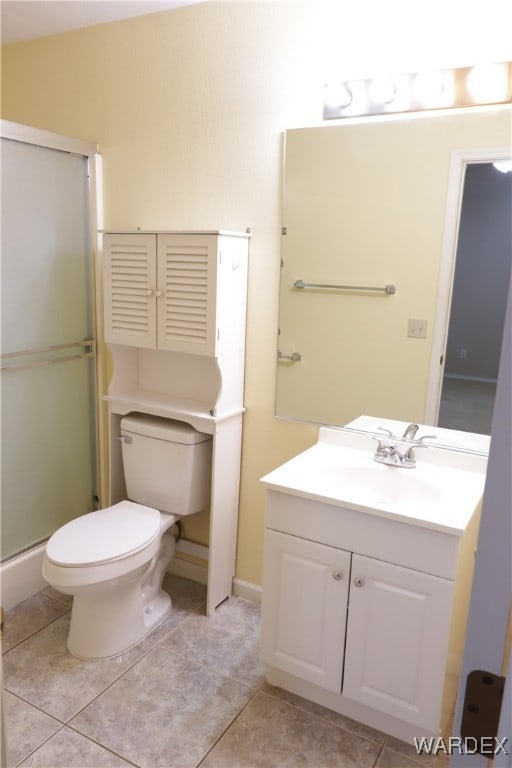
point(472, 293)
point(479, 301)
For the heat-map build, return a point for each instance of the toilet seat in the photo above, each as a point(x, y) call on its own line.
point(104, 536)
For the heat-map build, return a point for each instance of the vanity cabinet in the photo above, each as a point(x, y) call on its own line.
point(353, 625)
point(366, 586)
point(171, 290)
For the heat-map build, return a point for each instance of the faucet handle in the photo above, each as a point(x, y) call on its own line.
point(380, 446)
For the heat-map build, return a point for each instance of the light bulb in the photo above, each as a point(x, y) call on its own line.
point(488, 82)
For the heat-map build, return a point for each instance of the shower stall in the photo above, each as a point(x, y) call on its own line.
point(48, 373)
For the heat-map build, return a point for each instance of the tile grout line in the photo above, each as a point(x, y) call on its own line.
point(226, 729)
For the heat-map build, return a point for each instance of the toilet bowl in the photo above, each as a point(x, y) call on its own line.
point(113, 560)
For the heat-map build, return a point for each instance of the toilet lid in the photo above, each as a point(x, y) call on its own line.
point(105, 535)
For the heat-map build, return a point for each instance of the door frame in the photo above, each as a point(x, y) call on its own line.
point(460, 159)
point(91, 151)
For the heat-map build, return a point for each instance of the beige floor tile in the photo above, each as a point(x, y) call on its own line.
point(326, 714)
point(68, 749)
point(408, 752)
point(27, 727)
point(51, 592)
point(43, 672)
point(29, 617)
point(165, 711)
point(227, 642)
point(270, 732)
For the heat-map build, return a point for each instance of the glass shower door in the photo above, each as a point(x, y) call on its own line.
point(48, 438)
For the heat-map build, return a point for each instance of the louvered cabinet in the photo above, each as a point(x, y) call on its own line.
point(162, 289)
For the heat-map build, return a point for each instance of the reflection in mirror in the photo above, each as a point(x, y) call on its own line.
point(479, 300)
point(365, 205)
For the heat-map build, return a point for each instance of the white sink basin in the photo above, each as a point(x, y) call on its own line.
point(442, 491)
point(384, 486)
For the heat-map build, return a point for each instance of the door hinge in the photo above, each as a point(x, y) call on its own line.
point(284, 231)
point(482, 709)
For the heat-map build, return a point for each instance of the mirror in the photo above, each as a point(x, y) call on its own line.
point(364, 207)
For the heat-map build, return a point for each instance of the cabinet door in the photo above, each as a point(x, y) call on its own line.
point(304, 608)
point(397, 639)
point(130, 286)
point(187, 284)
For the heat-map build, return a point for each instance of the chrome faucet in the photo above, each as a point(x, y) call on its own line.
point(399, 451)
point(410, 432)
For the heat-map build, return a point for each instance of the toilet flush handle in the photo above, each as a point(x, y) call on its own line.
point(125, 439)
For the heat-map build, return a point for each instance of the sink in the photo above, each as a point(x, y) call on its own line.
point(441, 492)
point(382, 485)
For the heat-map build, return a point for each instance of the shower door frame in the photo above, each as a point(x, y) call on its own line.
point(28, 584)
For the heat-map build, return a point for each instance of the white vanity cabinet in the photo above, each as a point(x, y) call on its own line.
point(364, 609)
point(375, 632)
point(171, 290)
point(174, 319)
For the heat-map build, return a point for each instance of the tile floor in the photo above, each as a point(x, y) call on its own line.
point(467, 405)
point(192, 694)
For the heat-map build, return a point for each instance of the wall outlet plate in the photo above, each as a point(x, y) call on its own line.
point(417, 329)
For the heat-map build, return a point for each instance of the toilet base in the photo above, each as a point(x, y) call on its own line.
point(108, 623)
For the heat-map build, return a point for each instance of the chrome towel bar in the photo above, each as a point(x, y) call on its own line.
point(388, 289)
point(295, 357)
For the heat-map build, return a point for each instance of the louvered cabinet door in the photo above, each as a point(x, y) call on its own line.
point(130, 289)
point(187, 283)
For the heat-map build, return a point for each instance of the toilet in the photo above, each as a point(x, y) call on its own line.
point(113, 560)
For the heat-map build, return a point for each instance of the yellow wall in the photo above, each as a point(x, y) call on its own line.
point(189, 107)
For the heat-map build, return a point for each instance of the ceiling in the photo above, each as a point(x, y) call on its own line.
point(27, 19)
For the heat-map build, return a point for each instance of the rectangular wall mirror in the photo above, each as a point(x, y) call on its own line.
point(378, 202)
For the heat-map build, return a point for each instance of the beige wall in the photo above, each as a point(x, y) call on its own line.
point(189, 107)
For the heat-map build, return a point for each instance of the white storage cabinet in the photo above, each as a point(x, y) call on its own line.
point(174, 320)
point(163, 290)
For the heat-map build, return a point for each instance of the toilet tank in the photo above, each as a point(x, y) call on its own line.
point(167, 464)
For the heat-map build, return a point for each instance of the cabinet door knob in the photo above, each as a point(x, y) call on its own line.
point(158, 293)
point(337, 575)
point(358, 582)
point(148, 292)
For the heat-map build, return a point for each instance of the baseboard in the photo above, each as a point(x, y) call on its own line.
point(247, 590)
point(461, 377)
point(188, 570)
point(197, 572)
point(21, 577)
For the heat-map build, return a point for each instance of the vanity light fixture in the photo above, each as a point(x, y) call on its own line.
point(442, 89)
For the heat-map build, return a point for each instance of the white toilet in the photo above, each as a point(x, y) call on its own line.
point(113, 561)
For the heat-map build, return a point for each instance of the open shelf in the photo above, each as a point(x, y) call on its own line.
point(196, 412)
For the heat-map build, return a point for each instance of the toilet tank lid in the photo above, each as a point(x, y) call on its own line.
point(164, 429)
